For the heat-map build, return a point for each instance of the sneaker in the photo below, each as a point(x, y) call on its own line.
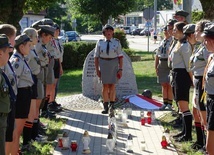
point(169, 106)
point(183, 139)
point(41, 138)
point(178, 135)
point(196, 146)
point(56, 104)
point(43, 126)
point(53, 107)
point(163, 107)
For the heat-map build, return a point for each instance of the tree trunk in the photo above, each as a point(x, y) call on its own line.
point(16, 13)
point(208, 7)
point(5, 10)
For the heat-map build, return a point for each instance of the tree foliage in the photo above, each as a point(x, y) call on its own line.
point(12, 11)
point(140, 5)
point(101, 9)
point(208, 7)
point(197, 15)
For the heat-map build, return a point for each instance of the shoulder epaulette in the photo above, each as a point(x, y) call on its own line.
point(101, 40)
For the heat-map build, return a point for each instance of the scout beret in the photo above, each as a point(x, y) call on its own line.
point(56, 26)
point(36, 24)
point(48, 21)
point(164, 28)
point(4, 41)
point(189, 28)
point(208, 30)
point(181, 13)
point(107, 26)
point(171, 22)
point(21, 39)
point(47, 29)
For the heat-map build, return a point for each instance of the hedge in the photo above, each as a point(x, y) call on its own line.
point(75, 54)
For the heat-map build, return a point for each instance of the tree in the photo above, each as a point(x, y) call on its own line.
point(140, 5)
point(12, 11)
point(208, 7)
point(101, 9)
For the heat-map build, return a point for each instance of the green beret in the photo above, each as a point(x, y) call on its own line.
point(4, 41)
point(36, 24)
point(208, 30)
point(107, 26)
point(20, 39)
point(47, 21)
point(181, 13)
point(47, 29)
point(189, 28)
point(171, 22)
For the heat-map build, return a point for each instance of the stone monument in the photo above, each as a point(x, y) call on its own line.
point(92, 87)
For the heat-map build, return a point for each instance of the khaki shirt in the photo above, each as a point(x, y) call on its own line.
point(4, 95)
point(23, 72)
point(114, 48)
point(42, 52)
point(180, 57)
point(34, 62)
point(51, 47)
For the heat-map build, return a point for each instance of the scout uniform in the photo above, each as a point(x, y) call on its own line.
point(181, 82)
point(5, 96)
point(44, 56)
point(209, 81)
point(198, 62)
point(34, 63)
point(109, 52)
point(24, 79)
point(163, 69)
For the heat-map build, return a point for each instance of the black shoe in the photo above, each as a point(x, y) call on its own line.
point(56, 104)
point(196, 146)
point(178, 135)
point(53, 107)
point(105, 112)
point(183, 139)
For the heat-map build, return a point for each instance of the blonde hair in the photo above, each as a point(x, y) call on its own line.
point(31, 32)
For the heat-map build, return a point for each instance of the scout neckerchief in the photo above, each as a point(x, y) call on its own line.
point(11, 92)
point(203, 97)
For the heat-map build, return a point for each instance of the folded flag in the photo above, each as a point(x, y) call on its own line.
point(144, 102)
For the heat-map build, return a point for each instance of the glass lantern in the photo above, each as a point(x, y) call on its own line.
point(74, 145)
point(110, 143)
point(124, 117)
point(143, 145)
point(129, 112)
point(65, 142)
point(129, 144)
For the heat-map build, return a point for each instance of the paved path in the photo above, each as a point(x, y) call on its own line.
point(96, 124)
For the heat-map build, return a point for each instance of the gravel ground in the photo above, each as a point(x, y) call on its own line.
point(78, 102)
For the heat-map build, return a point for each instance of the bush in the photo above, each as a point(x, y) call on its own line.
point(75, 54)
point(129, 51)
point(120, 34)
point(197, 15)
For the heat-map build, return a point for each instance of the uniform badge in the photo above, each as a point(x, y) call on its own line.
point(16, 59)
point(16, 66)
point(26, 59)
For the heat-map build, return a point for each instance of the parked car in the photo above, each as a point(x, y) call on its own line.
point(73, 36)
point(145, 32)
point(136, 31)
point(126, 29)
point(63, 37)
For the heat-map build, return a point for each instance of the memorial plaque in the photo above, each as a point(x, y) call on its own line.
point(92, 87)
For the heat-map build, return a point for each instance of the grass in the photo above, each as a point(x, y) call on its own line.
point(47, 148)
